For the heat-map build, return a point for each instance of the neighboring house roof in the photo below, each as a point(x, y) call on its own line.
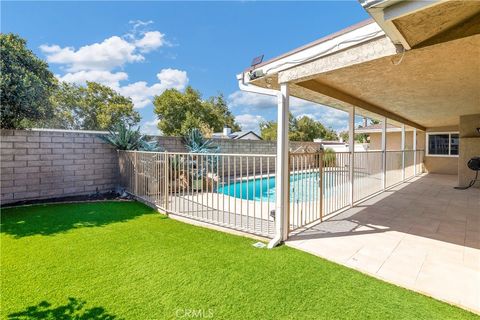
point(373, 128)
point(329, 142)
point(234, 135)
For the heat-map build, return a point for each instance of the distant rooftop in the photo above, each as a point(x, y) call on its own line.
point(234, 135)
point(378, 128)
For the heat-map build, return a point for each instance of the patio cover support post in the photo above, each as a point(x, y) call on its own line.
point(384, 153)
point(351, 148)
point(403, 152)
point(414, 151)
point(283, 171)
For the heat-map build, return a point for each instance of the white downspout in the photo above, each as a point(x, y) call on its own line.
point(283, 171)
point(280, 223)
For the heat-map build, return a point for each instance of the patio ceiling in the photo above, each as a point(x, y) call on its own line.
point(419, 23)
point(431, 86)
point(417, 63)
point(425, 87)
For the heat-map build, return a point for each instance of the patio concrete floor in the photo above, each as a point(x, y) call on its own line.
point(423, 235)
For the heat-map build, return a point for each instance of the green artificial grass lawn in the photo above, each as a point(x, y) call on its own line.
point(122, 260)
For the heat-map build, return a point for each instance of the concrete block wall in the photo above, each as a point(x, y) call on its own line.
point(58, 163)
point(175, 144)
point(51, 164)
point(241, 165)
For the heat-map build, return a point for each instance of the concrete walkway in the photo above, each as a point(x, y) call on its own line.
point(423, 235)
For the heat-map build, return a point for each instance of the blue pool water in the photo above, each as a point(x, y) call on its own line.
point(264, 189)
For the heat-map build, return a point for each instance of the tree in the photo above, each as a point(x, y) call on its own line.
point(344, 136)
point(93, 107)
point(179, 112)
point(301, 129)
point(268, 130)
point(25, 84)
point(359, 137)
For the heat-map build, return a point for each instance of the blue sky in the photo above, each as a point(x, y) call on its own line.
point(143, 48)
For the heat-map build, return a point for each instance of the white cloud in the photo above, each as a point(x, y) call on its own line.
point(106, 55)
point(99, 62)
point(258, 104)
point(141, 93)
point(136, 24)
point(111, 79)
point(249, 99)
point(150, 128)
point(260, 101)
point(249, 122)
point(329, 117)
point(113, 52)
point(151, 40)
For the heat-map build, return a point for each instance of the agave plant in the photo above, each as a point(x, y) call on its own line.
point(196, 143)
point(124, 138)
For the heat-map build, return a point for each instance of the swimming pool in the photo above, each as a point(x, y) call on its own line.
point(303, 186)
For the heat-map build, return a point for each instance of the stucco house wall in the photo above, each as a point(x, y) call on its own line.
point(394, 140)
point(433, 164)
point(441, 164)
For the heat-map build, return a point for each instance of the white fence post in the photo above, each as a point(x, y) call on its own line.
point(384, 152)
point(403, 152)
point(414, 151)
point(167, 193)
point(351, 145)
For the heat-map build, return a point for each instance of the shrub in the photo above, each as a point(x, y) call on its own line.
point(329, 157)
point(196, 143)
point(124, 138)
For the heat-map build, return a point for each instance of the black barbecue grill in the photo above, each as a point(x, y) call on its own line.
point(473, 164)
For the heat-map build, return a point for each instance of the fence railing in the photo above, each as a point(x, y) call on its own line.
point(238, 190)
point(331, 179)
point(231, 190)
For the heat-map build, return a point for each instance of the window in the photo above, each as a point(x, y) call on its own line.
point(442, 144)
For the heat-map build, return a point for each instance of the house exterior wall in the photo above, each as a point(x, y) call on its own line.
point(394, 140)
point(469, 147)
point(443, 165)
point(436, 164)
point(44, 164)
point(440, 164)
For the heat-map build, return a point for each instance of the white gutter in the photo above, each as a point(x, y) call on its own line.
point(244, 86)
point(341, 42)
